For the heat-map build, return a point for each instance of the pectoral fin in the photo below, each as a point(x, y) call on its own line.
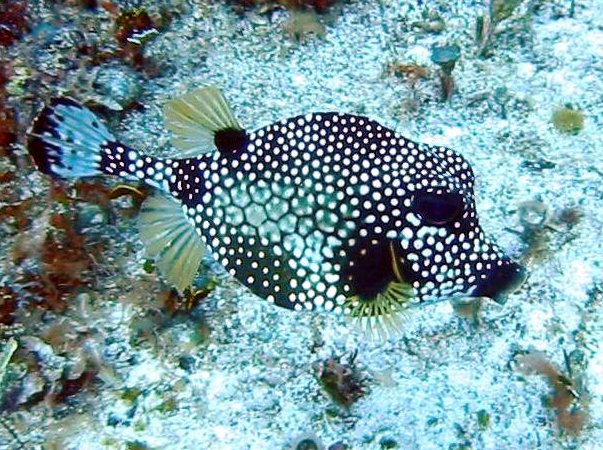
point(382, 295)
point(171, 239)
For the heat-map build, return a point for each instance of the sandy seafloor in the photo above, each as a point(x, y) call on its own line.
point(251, 384)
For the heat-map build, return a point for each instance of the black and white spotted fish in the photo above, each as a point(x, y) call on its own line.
point(324, 210)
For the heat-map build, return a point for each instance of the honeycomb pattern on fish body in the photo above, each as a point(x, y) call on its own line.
point(293, 213)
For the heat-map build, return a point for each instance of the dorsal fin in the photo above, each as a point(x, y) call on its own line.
point(202, 120)
point(171, 239)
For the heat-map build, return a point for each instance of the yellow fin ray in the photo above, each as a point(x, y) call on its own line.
point(171, 239)
point(196, 116)
point(383, 315)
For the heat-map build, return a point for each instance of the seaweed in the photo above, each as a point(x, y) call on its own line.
point(545, 231)
point(14, 22)
point(568, 395)
point(134, 26)
point(485, 28)
point(8, 349)
point(54, 256)
point(568, 120)
point(9, 304)
point(69, 387)
point(411, 73)
point(57, 359)
point(8, 129)
point(319, 6)
point(8, 121)
point(343, 382)
point(65, 265)
point(302, 23)
point(62, 373)
point(17, 213)
point(133, 29)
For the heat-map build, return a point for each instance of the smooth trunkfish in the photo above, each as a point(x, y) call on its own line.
point(320, 211)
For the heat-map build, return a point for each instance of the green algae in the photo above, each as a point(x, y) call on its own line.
point(130, 395)
point(503, 9)
point(483, 419)
point(568, 120)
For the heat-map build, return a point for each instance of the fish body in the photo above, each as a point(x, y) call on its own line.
point(324, 210)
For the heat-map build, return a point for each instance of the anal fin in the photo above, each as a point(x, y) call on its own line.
point(171, 239)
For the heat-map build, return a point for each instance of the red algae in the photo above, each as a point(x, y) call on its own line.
point(319, 6)
point(133, 28)
point(567, 397)
point(13, 21)
point(8, 123)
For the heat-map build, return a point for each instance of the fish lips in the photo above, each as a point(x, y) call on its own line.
point(501, 282)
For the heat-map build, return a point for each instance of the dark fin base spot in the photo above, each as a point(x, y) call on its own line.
point(230, 140)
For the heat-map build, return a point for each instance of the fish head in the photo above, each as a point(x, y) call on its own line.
point(444, 251)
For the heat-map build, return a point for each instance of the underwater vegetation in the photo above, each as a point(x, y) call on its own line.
point(568, 120)
point(343, 381)
point(133, 29)
point(486, 25)
point(8, 121)
point(544, 231)
point(319, 6)
point(53, 260)
point(568, 398)
point(14, 21)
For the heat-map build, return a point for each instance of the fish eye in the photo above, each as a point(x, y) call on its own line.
point(438, 208)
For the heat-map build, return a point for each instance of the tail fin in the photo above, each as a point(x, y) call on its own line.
point(66, 140)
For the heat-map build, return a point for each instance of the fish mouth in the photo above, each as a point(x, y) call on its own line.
point(501, 282)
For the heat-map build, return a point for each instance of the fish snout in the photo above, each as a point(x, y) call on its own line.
point(501, 281)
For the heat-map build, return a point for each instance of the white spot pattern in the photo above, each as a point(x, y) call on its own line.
point(302, 212)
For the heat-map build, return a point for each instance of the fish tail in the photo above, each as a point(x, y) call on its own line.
point(67, 140)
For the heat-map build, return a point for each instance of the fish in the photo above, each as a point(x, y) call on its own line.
point(321, 211)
